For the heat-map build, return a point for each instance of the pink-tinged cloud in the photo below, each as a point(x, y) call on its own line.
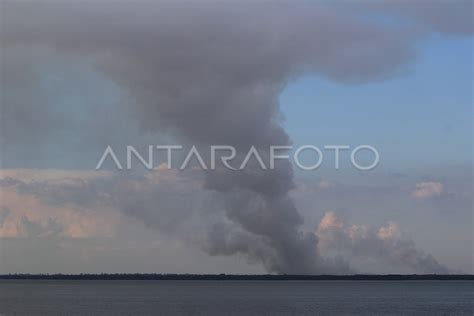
point(426, 190)
point(329, 221)
point(83, 204)
point(391, 231)
point(385, 245)
point(24, 215)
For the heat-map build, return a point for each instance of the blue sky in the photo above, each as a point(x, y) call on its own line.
point(422, 117)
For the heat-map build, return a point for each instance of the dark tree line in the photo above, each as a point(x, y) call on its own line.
point(259, 277)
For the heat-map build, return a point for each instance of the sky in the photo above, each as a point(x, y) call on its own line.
point(405, 111)
point(77, 77)
point(421, 123)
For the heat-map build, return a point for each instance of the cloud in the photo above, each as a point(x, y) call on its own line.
point(52, 175)
point(93, 206)
point(24, 216)
point(426, 190)
point(31, 206)
point(188, 212)
point(391, 231)
point(385, 245)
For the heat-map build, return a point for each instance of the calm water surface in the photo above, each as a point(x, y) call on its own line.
point(42, 297)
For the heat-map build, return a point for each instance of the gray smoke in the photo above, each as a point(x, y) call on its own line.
point(208, 73)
